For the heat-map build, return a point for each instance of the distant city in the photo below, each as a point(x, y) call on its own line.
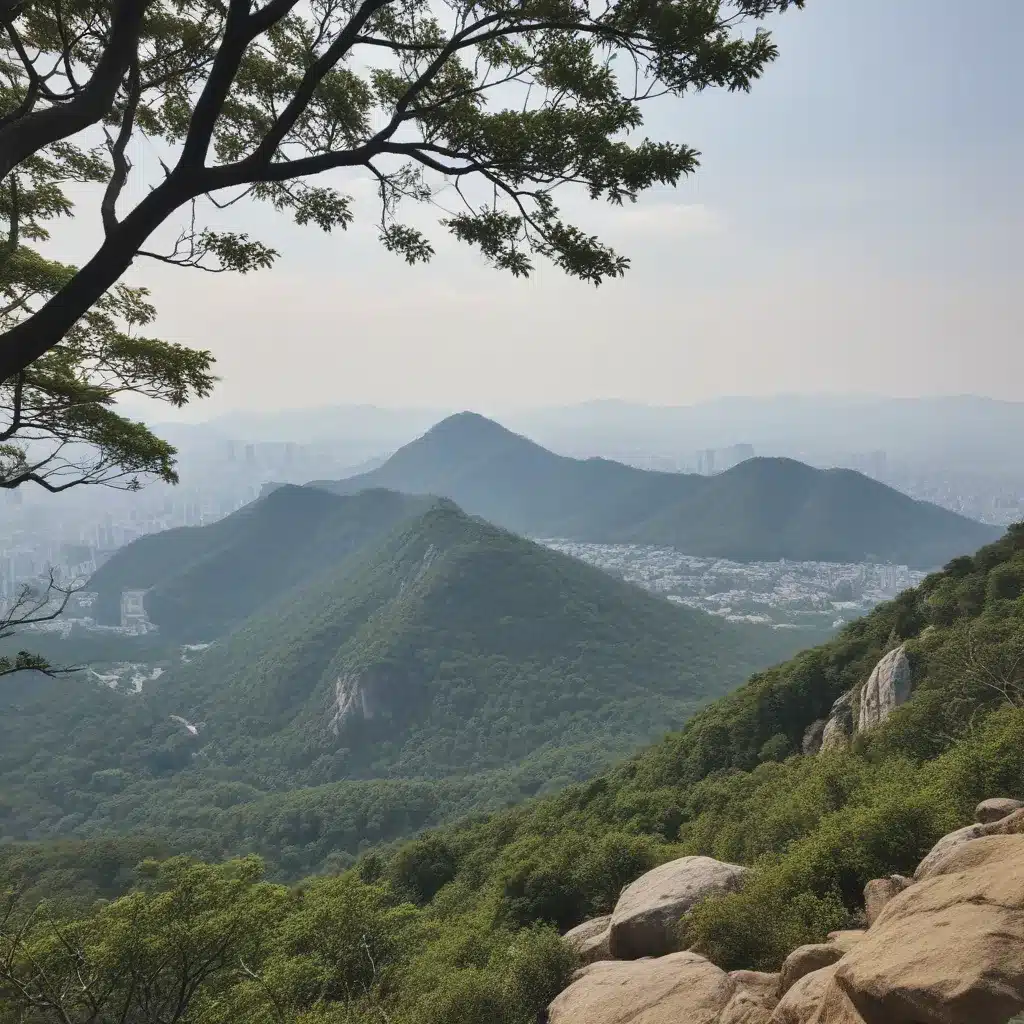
point(784, 595)
point(77, 531)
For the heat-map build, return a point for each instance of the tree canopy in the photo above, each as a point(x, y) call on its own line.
point(482, 109)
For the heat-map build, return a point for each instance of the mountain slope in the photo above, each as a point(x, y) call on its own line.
point(491, 894)
point(763, 509)
point(453, 646)
point(450, 649)
point(204, 580)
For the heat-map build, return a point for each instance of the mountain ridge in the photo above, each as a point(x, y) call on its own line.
point(201, 581)
point(518, 484)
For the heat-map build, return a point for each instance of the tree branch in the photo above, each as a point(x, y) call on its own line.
point(22, 138)
point(121, 165)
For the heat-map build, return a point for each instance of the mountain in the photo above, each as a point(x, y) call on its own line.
point(467, 918)
point(448, 650)
point(761, 510)
point(203, 580)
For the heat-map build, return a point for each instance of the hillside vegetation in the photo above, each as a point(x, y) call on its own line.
point(462, 923)
point(204, 580)
point(449, 667)
point(760, 510)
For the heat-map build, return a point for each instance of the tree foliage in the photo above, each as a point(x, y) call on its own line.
point(58, 425)
point(482, 109)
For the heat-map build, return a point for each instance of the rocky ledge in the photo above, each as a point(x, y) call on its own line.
point(946, 947)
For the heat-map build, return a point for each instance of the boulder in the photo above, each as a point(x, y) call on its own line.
point(667, 990)
point(996, 809)
point(800, 1004)
point(944, 845)
point(806, 960)
point(646, 919)
point(839, 727)
point(589, 941)
point(886, 689)
point(1012, 824)
point(879, 891)
point(754, 997)
point(811, 742)
point(947, 949)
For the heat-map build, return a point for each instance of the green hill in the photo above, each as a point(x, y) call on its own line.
point(464, 920)
point(449, 650)
point(760, 510)
point(203, 580)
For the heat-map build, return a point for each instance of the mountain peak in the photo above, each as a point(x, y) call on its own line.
point(760, 510)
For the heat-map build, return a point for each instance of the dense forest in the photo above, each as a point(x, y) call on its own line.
point(444, 668)
point(461, 925)
point(760, 510)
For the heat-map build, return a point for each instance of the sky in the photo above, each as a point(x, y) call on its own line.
point(855, 226)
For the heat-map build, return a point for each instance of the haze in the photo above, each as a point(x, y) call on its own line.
point(854, 228)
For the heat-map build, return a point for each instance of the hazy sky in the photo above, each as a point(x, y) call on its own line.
point(856, 226)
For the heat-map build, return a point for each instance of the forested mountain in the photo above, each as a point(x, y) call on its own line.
point(466, 919)
point(203, 580)
point(450, 649)
point(760, 510)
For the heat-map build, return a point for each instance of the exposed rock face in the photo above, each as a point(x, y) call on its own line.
point(886, 689)
point(590, 940)
point(879, 891)
point(839, 727)
point(801, 1002)
point(949, 948)
point(996, 809)
point(806, 960)
point(811, 743)
point(350, 699)
point(754, 997)
point(668, 990)
point(646, 918)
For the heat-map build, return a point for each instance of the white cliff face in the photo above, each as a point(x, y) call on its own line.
point(886, 689)
point(350, 698)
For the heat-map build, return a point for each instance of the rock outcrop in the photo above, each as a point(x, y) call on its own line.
point(949, 948)
point(996, 809)
point(839, 727)
point(886, 689)
point(879, 891)
point(666, 990)
point(589, 941)
point(946, 947)
point(1012, 824)
point(646, 918)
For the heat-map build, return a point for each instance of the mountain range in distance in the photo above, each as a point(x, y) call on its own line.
point(959, 432)
point(764, 509)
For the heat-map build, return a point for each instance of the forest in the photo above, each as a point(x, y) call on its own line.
point(461, 924)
